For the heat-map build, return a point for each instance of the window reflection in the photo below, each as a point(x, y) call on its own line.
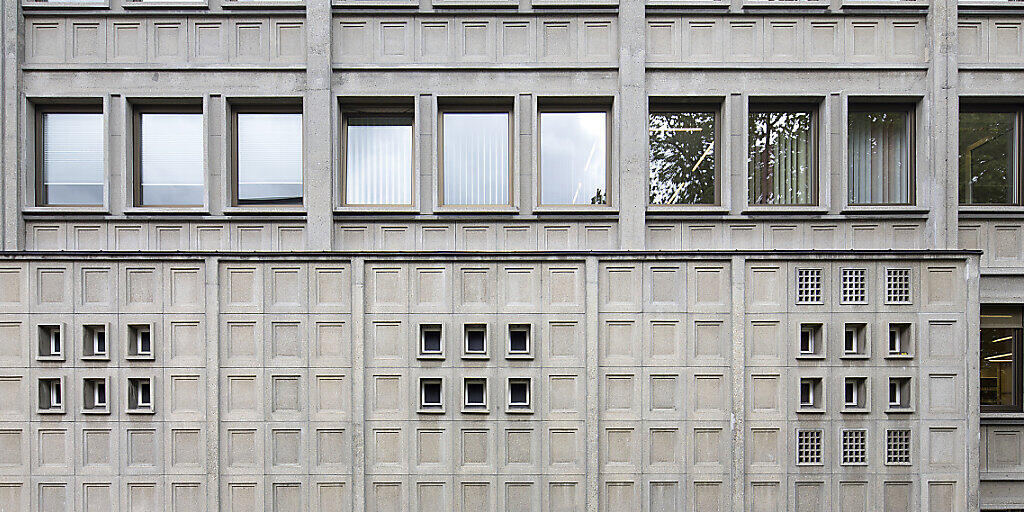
point(378, 160)
point(269, 158)
point(781, 158)
point(879, 157)
point(987, 157)
point(171, 159)
point(682, 146)
point(476, 158)
point(574, 158)
point(72, 159)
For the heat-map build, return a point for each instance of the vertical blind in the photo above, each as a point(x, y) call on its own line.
point(172, 159)
point(270, 158)
point(781, 158)
point(378, 160)
point(573, 158)
point(72, 155)
point(476, 158)
point(879, 157)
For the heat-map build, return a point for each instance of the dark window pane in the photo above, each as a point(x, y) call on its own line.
point(475, 340)
point(987, 158)
point(475, 393)
point(72, 155)
point(682, 158)
point(781, 158)
point(431, 392)
point(879, 157)
point(269, 158)
point(999, 356)
point(171, 163)
point(518, 393)
point(573, 158)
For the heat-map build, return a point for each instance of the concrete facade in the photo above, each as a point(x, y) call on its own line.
point(663, 368)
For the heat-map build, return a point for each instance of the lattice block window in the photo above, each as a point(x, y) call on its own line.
point(854, 286)
point(897, 446)
point(808, 286)
point(854, 447)
point(897, 285)
point(808, 446)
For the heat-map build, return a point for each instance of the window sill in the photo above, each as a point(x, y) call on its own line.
point(476, 357)
point(575, 209)
point(785, 210)
point(475, 410)
point(143, 359)
point(376, 3)
point(688, 3)
point(50, 411)
point(519, 357)
point(462, 209)
point(855, 410)
point(167, 210)
point(66, 210)
point(855, 357)
point(148, 412)
point(431, 411)
point(265, 210)
point(885, 4)
point(1002, 418)
point(65, 5)
point(666, 210)
point(169, 4)
point(476, 3)
point(881, 209)
point(810, 357)
point(377, 210)
point(96, 412)
point(50, 359)
point(900, 410)
point(900, 357)
point(785, 4)
point(993, 211)
point(262, 4)
point(811, 411)
point(518, 410)
point(430, 357)
point(96, 359)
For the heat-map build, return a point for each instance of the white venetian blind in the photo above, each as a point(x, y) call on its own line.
point(269, 158)
point(172, 159)
point(72, 155)
point(378, 161)
point(476, 166)
point(879, 154)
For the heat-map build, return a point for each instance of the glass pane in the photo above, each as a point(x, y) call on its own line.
point(998, 360)
point(781, 158)
point(987, 157)
point(682, 158)
point(378, 160)
point(879, 157)
point(476, 158)
point(72, 159)
point(172, 159)
point(270, 158)
point(573, 158)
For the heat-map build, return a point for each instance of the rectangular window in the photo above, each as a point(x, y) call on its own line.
point(476, 163)
point(573, 157)
point(881, 152)
point(810, 340)
point(140, 395)
point(94, 395)
point(476, 340)
point(989, 156)
point(811, 394)
point(808, 447)
point(431, 340)
point(855, 340)
point(475, 395)
point(69, 155)
point(51, 395)
point(808, 286)
point(899, 393)
point(518, 340)
point(854, 447)
point(683, 157)
point(899, 340)
point(897, 446)
point(855, 393)
point(51, 342)
point(169, 157)
point(1001, 349)
point(897, 286)
point(431, 395)
point(781, 156)
point(378, 158)
point(519, 395)
point(854, 284)
point(268, 156)
point(140, 341)
point(94, 342)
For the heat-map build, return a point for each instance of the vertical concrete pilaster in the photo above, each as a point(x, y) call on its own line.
point(632, 125)
point(319, 137)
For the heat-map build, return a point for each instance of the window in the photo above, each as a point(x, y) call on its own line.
point(267, 160)
point(808, 286)
point(881, 152)
point(140, 395)
point(854, 286)
point(94, 399)
point(854, 447)
point(897, 286)
point(1001, 344)
point(476, 340)
point(431, 344)
point(989, 156)
point(140, 341)
point(474, 395)
point(855, 393)
point(378, 158)
point(519, 395)
point(808, 447)
point(69, 156)
point(51, 342)
point(897, 446)
point(811, 394)
point(169, 156)
point(855, 342)
point(683, 157)
point(51, 395)
point(899, 340)
point(94, 342)
point(518, 340)
point(431, 396)
point(810, 340)
point(899, 393)
point(781, 156)
point(573, 157)
point(476, 163)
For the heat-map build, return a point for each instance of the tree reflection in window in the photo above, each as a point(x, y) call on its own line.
point(781, 157)
point(683, 158)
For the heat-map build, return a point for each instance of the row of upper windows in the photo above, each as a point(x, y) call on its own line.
point(476, 155)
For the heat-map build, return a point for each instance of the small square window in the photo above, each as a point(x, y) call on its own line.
point(808, 286)
point(855, 340)
point(897, 446)
point(94, 399)
point(899, 340)
point(899, 394)
point(431, 341)
point(811, 394)
point(897, 286)
point(854, 286)
point(474, 395)
point(519, 395)
point(808, 447)
point(854, 447)
point(140, 395)
point(51, 395)
point(811, 345)
point(431, 395)
point(140, 341)
point(855, 393)
point(519, 340)
point(94, 342)
point(476, 340)
point(51, 342)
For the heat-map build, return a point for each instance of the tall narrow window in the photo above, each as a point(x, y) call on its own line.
point(378, 159)
point(1001, 334)
point(573, 158)
point(475, 166)
point(683, 157)
point(989, 156)
point(880, 156)
point(781, 157)
point(268, 157)
point(69, 153)
point(169, 157)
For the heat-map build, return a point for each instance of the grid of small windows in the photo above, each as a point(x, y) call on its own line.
point(808, 446)
point(897, 285)
point(854, 285)
point(808, 285)
point(897, 446)
point(855, 447)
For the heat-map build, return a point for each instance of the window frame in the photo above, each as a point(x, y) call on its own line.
point(135, 163)
point(669, 107)
point(348, 110)
point(82, 107)
point(1018, 366)
point(884, 107)
point(1018, 154)
point(476, 106)
point(583, 105)
point(797, 106)
point(281, 106)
